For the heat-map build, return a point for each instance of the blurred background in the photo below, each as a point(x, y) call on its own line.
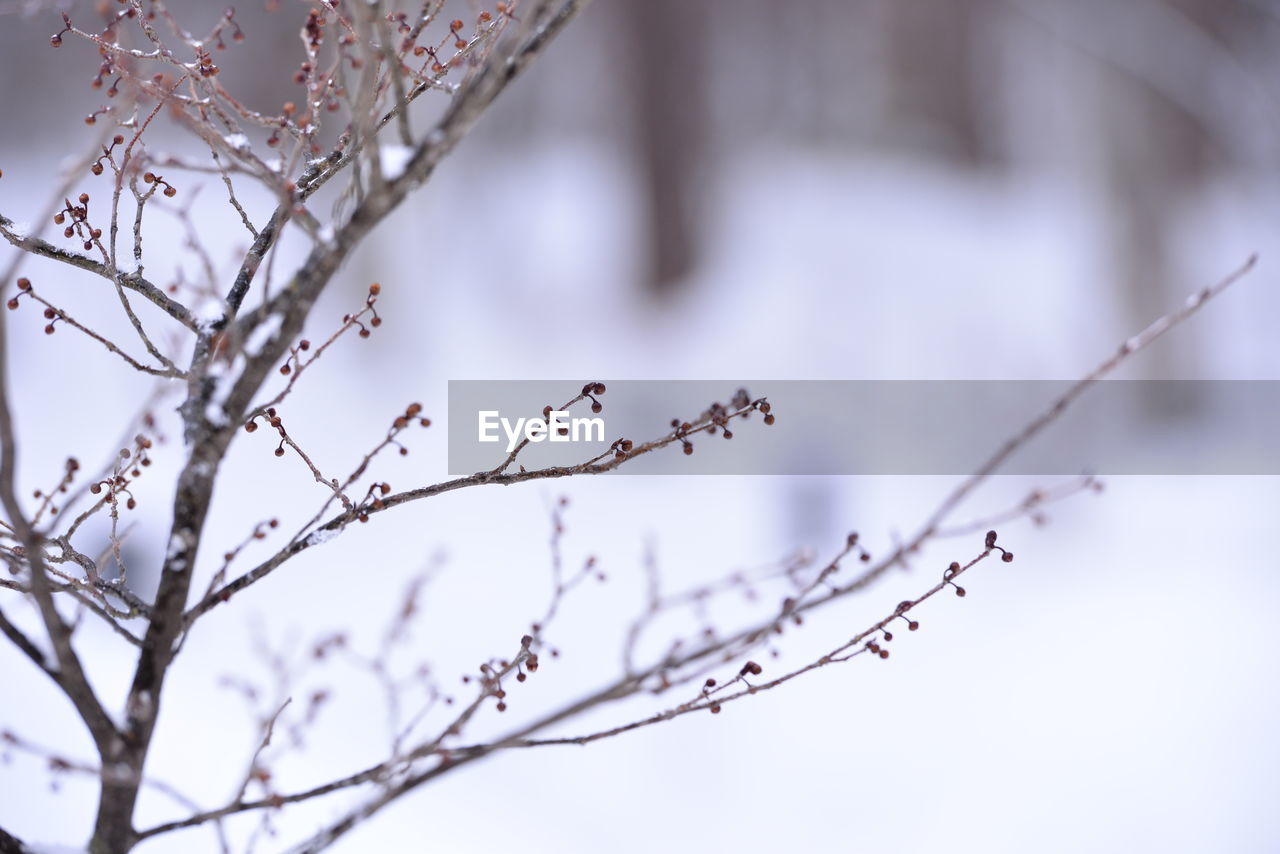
point(753, 191)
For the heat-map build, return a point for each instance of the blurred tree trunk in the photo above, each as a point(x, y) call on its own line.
point(931, 77)
point(669, 82)
point(1156, 157)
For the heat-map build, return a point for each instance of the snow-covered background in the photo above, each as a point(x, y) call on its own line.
point(873, 190)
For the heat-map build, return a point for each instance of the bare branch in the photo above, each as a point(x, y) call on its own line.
point(132, 281)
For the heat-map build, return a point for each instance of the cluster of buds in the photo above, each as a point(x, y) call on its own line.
point(527, 660)
point(709, 687)
point(437, 67)
point(455, 37)
point(151, 178)
point(24, 287)
point(132, 463)
point(204, 63)
point(228, 20)
point(79, 225)
point(345, 43)
point(372, 500)
point(51, 314)
point(591, 389)
point(273, 419)
point(97, 168)
point(851, 545)
point(412, 413)
point(295, 356)
point(491, 684)
point(1005, 555)
point(706, 693)
point(140, 458)
point(719, 416)
point(716, 418)
point(69, 474)
point(876, 650)
point(900, 612)
point(313, 29)
point(741, 405)
point(104, 71)
point(455, 29)
point(682, 429)
point(369, 302)
point(401, 20)
point(950, 573)
point(56, 38)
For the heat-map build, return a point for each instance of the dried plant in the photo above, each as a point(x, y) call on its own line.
point(362, 66)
